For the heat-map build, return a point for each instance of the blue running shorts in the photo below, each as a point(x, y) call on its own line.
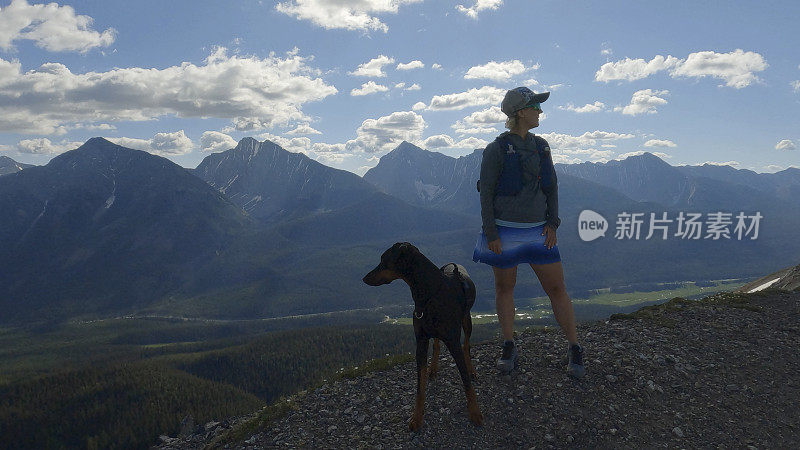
point(519, 245)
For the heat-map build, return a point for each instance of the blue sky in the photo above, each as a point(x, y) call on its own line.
point(693, 82)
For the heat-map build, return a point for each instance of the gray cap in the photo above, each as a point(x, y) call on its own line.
point(520, 98)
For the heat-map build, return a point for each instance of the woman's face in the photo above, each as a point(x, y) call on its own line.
point(529, 117)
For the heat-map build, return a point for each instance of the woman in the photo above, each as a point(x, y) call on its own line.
point(519, 211)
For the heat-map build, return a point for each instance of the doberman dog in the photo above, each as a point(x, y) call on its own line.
point(443, 298)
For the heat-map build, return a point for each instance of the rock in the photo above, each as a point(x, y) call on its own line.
point(677, 432)
point(332, 428)
point(549, 437)
point(611, 378)
point(211, 425)
point(188, 426)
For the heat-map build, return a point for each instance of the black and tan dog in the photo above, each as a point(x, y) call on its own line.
point(442, 300)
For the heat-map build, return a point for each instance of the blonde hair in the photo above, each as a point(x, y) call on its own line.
point(511, 122)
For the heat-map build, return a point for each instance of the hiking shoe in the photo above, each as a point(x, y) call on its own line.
point(575, 367)
point(508, 361)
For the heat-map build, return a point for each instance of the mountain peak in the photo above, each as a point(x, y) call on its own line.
point(248, 144)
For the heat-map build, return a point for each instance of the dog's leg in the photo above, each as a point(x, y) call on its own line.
point(422, 381)
point(434, 370)
point(472, 400)
point(466, 323)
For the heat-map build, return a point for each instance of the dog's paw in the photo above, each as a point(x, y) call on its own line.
point(415, 423)
point(476, 418)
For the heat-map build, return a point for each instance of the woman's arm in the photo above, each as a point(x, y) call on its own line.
point(553, 221)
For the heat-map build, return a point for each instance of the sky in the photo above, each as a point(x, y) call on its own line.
point(345, 81)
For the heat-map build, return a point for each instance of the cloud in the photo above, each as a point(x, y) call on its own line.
point(419, 106)
point(641, 152)
point(436, 66)
point(414, 87)
point(384, 133)
point(659, 143)
point(294, 145)
point(565, 144)
point(416, 64)
point(367, 88)
point(51, 27)
point(644, 101)
point(634, 69)
point(43, 146)
point(587, 108)
point(345, 14)
point(253, 92)
point(795, 85)
point(373, 67)
point(605, 49)
point(163, 144)
point(471, 143)
point(736, 68)
point(438, 141)
point(498, 71)
point(485, 95)
point(785, 144)
point(480, 5)
point(303, 129)
point(477, 122)
point(214, 141)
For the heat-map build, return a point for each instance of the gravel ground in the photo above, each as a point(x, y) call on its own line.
point(720, 372)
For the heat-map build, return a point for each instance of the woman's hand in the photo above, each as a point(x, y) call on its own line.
point(495, 246)
point(550, 240)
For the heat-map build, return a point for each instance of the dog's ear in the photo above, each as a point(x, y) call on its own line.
point(405, 256)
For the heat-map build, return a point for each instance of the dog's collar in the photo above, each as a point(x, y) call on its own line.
point(418, 311)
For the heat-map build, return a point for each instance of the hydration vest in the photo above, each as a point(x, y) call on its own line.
point(510, 180)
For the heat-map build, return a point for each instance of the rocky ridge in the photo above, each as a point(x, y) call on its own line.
point(718, 372)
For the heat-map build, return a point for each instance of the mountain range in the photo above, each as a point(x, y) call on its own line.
point(8, 165)
point(256, 231)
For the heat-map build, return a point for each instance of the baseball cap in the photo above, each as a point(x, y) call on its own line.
point(520, 98)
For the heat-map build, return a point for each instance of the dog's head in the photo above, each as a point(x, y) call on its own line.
point(395, 263)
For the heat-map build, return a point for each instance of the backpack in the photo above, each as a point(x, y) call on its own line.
point(510, 180)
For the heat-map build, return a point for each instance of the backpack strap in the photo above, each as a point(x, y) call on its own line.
point(545, 163)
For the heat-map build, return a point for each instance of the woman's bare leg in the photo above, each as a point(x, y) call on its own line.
point(504, 281)
point(552, 278)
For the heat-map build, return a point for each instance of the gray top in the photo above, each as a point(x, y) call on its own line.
point(532, 204)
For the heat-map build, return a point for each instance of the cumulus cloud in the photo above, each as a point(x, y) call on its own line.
point(303, 129)
point(471, 143)
point(414, 87)
point(163, 144)
point(480, 5)
point(485, 95)
point(570, 149)
point(51, 27)
point(438, 141)
point(384, 133)
point(659, 143)
point(346, 14)
point(373, 67)
point(418, 106)
point(587, 108)
point(634, 69)
point(436, 66)
point(367, 88)
point(253, 92)
point(480, 122)
point(785, 144)
point(737, 68)
point(43, 146)
point(641, 152)
point(294, 145)
point(416, 64)
point(644, 101)
point(214, 141)
point(498, 71)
